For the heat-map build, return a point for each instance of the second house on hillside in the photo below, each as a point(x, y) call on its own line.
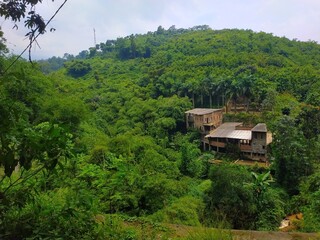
point(205, 120)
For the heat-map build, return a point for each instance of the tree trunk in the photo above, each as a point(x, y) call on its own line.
point(193, 103)
point(223, 100)
point(247, 105)
point(226, 103)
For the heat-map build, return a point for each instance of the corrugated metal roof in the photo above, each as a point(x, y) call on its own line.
point(260, 127)
point(202, 111)
point(227, 130)
point(240, 134)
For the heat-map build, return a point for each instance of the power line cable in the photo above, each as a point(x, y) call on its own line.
point(34, 39)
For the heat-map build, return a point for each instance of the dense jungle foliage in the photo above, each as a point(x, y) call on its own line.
point(94, 146)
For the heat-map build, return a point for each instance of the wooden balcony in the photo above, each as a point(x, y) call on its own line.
point(217, 144)
point(246, 148)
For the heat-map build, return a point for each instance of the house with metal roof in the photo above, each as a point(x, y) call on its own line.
point(251, 142)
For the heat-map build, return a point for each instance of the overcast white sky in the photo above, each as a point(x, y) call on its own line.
point(75, 22)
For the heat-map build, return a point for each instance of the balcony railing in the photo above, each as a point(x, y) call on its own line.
point(245, 147)
point(217, 144)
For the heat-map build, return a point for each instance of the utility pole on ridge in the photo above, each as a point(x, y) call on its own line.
point(94, 37)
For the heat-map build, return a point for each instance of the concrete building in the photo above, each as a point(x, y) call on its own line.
point(252, 142)
point(205, 120)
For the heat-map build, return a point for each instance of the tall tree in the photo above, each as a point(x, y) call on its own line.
point(229, 196)
point(290, 152)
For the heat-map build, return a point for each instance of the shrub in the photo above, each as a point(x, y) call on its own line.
point(78, 68)
point(58, 214)
point(186, 210)
point(210, 234)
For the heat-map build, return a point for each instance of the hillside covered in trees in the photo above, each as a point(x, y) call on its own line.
point(94, 142)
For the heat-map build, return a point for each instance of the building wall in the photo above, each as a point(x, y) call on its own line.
point(217, 118)
point(259, 142)
point(198, 121)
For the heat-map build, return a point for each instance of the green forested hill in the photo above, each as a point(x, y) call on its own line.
point(101, 140)
point(207, 62)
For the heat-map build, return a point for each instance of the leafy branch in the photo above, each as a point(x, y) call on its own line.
point(15, 10)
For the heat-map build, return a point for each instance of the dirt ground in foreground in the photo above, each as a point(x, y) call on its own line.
point(181, 231)
point(252, 235)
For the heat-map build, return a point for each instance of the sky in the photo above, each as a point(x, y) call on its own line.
point(76, 21)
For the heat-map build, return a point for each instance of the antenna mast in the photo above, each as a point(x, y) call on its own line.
point(94, 37)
